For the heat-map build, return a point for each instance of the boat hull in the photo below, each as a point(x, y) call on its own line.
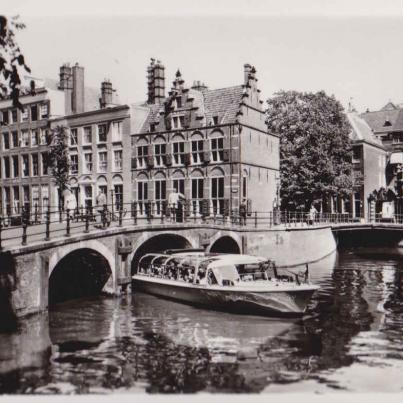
point(272, 302)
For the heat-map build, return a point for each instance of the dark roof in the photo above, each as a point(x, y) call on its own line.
point(222, 102)
point(384, 120)
point(361, 131)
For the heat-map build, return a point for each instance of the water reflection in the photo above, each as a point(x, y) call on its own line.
point(352, 332)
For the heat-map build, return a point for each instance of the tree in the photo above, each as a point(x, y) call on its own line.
point(315, 150)
point(59, 157)
point(12, 62)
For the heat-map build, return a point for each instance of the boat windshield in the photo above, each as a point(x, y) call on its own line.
point(226, 275)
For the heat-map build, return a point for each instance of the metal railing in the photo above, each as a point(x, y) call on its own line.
point(45, 224)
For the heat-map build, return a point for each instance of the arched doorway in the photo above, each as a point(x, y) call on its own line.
point(159, 243)
point(225, 244)
point(83, 272)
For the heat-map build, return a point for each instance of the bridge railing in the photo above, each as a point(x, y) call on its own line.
point(33, 224)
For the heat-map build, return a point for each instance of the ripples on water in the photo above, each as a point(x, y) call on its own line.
point(350, 339)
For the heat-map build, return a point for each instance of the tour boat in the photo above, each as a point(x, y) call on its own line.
point(236, 283)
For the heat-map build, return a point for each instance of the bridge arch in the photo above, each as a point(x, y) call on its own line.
point(80, 269)
point(225, 243)
point(150, 243)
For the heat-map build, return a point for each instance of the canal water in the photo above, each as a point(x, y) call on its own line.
point(350, 340)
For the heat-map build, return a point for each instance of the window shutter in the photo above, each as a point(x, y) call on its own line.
point(168, 160)
point(186, 121)
point(249, 207)
point(206, 157)
point(226, 207)
point(186, 159)
point(134, 162)
point(168, 123)
point(150, 161)
point(226, 155)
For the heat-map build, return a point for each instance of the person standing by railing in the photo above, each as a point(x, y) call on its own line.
point(175, 200)
point(101, 203)
point(312, 214)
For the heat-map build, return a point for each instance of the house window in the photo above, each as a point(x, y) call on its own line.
point(116, 131)
point(356, 154)
point(44, 111)
point(4, 119)
point(142, 152)
point(197, 194)
point(16, 168)
point(14, 116)
point(217, 195)
point(118, 190)
point(6, 141)
point(26, 196)
point(88, 162)
point(7, 200)
point(34, 112)
point(43, 139)
point(45, 164)
point(25, 165)
point(24, 114)
point(6, 163)
point(175, 122)
point(178, 152)
point(117, 160)
point(197, 151)
point(179, 185)
point(160, 195)
point(24, 138)
point(45, 197)
point(87, 135)
point(159, 154)
point(179, 102)
point(215, 120)
point(102, 131)
point(35, 165)
point(88, 196)
point(152, 127)
point(73, 164)
point(102, 161)
point(244, 187)
point(217, 149)
point(73, 137)
point(34, 138)
point(16, 200)
point(142, 195)
point(14, 137)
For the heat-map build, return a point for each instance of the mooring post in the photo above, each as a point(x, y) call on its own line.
point(68, 222)
point(47, 234)
point(1, 227)
point(120, 215)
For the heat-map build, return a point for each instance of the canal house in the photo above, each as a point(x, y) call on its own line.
point(211, 145)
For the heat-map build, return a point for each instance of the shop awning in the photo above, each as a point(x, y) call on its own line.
point(396, 158)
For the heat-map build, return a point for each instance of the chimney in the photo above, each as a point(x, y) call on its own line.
point(156, 82)
point(65, 75)
point(77, 100)
point(247, 72)
point(199, 86)
point(106, 94)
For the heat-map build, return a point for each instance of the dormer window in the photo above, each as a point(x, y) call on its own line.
point(215, 120)
point(179, 102)
point(152, 127)
point(387, 123)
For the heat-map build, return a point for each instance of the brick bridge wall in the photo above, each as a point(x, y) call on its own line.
point(25, 270)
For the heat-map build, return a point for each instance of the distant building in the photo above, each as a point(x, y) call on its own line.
point(387, 126)
point(210, 145)
point(369, 168)
point(99, 151)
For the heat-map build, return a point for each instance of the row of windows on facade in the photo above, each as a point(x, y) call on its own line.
point(25, 165)
point(102, 131)
point(24, 138)
point(31, 113)
point(36, 196)
point(32, 196)
point(181, 122)
point(87, 163)
point(156, 155)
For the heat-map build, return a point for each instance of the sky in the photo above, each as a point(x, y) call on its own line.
point(352, 49)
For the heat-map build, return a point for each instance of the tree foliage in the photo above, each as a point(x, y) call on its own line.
point(315, 150)
point(12, 62)
point(59, 156)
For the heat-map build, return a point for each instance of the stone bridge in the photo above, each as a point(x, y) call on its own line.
point(36, 272)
